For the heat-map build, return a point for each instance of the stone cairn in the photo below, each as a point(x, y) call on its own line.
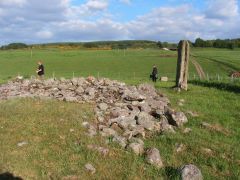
point(128, 114)
point(182, 65)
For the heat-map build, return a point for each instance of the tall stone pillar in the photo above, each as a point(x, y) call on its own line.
point(182, 65)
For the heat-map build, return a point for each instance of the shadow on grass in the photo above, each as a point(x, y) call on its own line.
point(235, 88)
point(9, 176)
point(172, 173)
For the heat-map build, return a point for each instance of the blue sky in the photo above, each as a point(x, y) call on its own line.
point(33, 21)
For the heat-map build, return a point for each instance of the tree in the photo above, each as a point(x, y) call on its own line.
point(159, 44)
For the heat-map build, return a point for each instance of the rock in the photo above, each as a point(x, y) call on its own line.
point(148, 90)
point(90, 168)
point(146, 120)
point(133, 96)
point(137, 148)
point(164, 79)
point(153, 157)
point(177, 119)
point(125, 122)
point(120, 140)
point(85, 124)
point(190, 172)
point(193, 114)
point(207, 151)
point(92, 131)
point(165, 126)
point(107, 132)
point(23, 143)
point(100, 119)
point(187, 130)
point(103, 106)
point(101, 150)
point(79, 90)
point(136, 131)
point(180, 147)
point(117, 112)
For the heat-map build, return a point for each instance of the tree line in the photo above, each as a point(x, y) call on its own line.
point(128, 44)
point(218, 43)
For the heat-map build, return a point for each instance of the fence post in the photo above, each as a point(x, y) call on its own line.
point(207, 77)
point(73, 74)
point(218, 78)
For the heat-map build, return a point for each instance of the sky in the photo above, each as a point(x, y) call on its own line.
point(41, 21)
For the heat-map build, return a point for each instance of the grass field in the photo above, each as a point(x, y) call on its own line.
point(218, 61)
point(112, 64)
point(55, 151)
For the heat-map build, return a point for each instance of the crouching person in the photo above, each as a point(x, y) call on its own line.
point(40, 70)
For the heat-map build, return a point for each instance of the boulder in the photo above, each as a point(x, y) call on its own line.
point(153, 157)
point(177, 118)
point(107, 132)
point(190, 172)
point(137, 148)
point(146, 120)
point(103, 106)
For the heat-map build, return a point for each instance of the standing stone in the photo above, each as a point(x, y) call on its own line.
point(182, 65)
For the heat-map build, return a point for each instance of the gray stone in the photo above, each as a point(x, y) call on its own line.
point(89, 167)
point(137, 148)
point(23, 143)
point(190, 172)
point(146, 120)
point(107, 132)
point(120, 140)
point(103, 106)
point(103, 151)
point(79, 90)
point(177, 119)
point(164, 79)
point(153, 157)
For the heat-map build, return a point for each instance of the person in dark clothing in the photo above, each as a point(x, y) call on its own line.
point(40, 70)
point(154, 74)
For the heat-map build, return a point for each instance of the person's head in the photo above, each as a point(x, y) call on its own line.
point(39, 63)
point(154, 65)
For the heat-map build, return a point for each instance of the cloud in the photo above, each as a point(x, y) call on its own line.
point(222, 9)
point(12, 2)
point(97, 4)
point(44, 34)
point(33, 21)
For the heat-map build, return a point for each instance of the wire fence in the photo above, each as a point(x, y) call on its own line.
point(132, 76)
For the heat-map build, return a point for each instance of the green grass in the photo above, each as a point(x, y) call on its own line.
point(52, 151)
point(113, 64)
point(218, 61)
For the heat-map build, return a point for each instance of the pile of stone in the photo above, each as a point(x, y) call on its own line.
point(128, 114)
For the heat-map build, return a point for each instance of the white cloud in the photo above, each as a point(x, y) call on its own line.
point(34, 21)
point(12, 2)
point(97, 4)
point(220, 9)
point(44, 34)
